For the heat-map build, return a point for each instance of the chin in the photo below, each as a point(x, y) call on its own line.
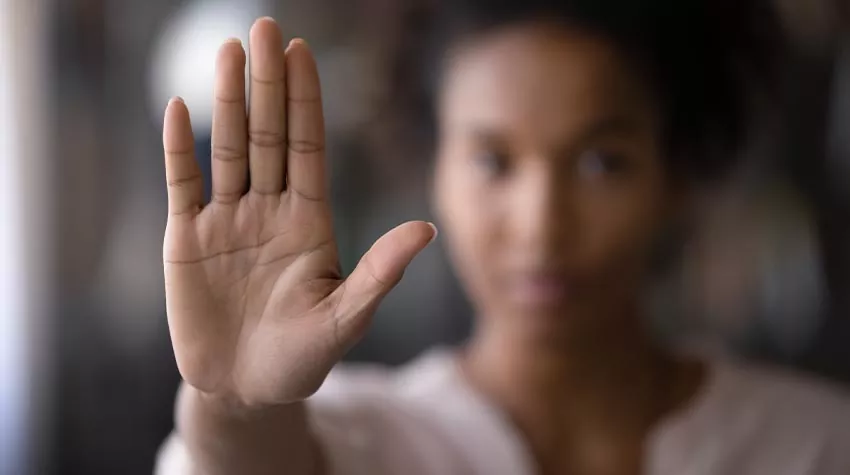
point(551, 322)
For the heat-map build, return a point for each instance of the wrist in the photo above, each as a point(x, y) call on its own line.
point(227, 406)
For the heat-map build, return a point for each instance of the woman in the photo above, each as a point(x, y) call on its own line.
point(569, 136)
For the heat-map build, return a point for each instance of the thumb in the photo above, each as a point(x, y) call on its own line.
point(378, 271)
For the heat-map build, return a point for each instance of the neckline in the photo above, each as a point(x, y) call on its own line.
point(442, 363)
point(669, 427)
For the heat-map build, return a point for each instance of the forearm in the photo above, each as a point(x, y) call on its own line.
point(221, 440)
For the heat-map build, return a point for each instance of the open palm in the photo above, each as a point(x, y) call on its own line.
point(257, 308)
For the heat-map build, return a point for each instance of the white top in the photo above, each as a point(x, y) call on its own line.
point(425, 419)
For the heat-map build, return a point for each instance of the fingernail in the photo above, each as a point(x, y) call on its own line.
point(234, 40)
point(297, 41)
point(436, 232)
point(268, 18)
point(176, 99)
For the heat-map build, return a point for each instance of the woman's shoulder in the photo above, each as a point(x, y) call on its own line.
point(780, 393)
point(754, 418)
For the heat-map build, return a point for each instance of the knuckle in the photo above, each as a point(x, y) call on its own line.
point(226, 197)
point(374, 277)
point(266, 138)
point(237, 99)
point(227, 154)
point(306, 146)
point(184, 182)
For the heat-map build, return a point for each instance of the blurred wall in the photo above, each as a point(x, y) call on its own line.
point(114, 373)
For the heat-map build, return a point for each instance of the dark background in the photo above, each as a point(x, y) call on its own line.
point(766, 275)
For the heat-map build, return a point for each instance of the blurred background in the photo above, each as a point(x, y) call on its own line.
point(87, 377)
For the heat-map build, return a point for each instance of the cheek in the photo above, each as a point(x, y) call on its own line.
point(471, 229)
point(462, 208)
point(621, 227)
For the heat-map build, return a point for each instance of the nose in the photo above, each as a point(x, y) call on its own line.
point(544, 213)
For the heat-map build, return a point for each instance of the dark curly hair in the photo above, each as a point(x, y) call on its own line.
point(706, 60)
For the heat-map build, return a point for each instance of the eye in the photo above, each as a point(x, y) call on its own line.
point(596, 164)
point(492, 164)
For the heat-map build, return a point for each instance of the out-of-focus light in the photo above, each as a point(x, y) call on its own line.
point(183, 61)
point(25, 191)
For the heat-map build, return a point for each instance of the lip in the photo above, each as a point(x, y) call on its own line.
point(541, 289)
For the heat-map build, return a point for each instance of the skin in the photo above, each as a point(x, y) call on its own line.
point(551, 190)
point(257, 309)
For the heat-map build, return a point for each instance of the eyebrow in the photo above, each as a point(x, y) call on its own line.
point(614, 125)
point(491, 137)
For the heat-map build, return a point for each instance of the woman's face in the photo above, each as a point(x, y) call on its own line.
point(549, 184)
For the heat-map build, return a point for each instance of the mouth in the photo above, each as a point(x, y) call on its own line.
point(541, 290)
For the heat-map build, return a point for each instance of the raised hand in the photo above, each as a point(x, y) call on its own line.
point(257, 308)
